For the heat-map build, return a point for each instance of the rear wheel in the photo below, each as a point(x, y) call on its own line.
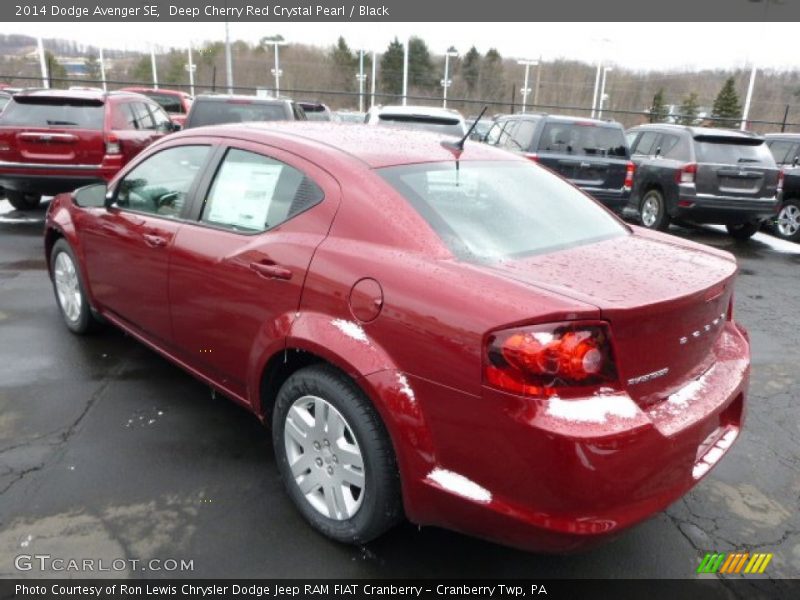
point(23, 200)
point(653, 211)
point(334, 456)
point(743, 231)
point(69, 289)
point(788, 222)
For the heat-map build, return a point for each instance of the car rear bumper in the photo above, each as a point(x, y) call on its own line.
point(52, 179)
point(615, 199)
point(708, 208)
point(556, 475)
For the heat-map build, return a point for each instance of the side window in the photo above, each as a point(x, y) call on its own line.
point(524, 134)
point(630, 138)
point(253, 193)
point(669, 145)
point(141, 117)
point(160, 118)
point(507, 138)
point(122, 117)
point(646, 145)
point(160, 184)
point(782, 151)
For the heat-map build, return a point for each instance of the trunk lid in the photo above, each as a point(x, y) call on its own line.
point(735, 166)
point(53, 130)
point(666, 302)
point(608, 173)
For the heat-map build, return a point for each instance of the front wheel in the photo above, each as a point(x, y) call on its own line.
point(69, 289)
point(653, 211)
point(22, 200)
point(334, 456)
point(788, 222)
point(743, 231)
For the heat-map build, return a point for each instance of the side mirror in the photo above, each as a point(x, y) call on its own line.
point(657, 152)
point(91, 196)
point(796, 161)
point(174, 126)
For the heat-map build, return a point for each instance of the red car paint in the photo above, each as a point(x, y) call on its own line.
point(540, 473)
point(181, 100)
point(58, 158)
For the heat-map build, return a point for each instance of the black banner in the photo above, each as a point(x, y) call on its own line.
point(397, 10)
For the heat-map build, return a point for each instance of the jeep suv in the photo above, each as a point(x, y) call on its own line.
point(703, 175)
point(785, 148)
point(54, 141)
point(590, 153)
point(211, 109)
point(174, 102)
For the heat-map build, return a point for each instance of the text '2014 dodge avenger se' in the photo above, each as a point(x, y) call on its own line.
point(462, 338)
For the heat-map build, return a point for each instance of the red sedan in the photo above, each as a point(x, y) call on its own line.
point(461, 338)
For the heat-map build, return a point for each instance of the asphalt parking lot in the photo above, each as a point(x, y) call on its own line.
point(108, 451)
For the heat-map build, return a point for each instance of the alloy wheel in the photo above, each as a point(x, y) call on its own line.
point(789, 220)
point(650, 210)
point(68, 287)
point(324, 458)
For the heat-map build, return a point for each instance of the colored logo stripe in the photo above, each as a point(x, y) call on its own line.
point(734, 562)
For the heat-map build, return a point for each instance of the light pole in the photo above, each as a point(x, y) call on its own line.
point(361, 77)
point(372, 83)
point(190, 67)
point(525, 89)
point(103, 70)
point(451, 51)
point(405, 71)
point(275, 41)
point(228, 59)
point(604, 41)
point(606, 71)
point(153, 66)
point(43, 64)
point(754, 68)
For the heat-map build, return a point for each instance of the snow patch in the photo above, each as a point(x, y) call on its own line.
point(405, 387)
point(593, 410)
point(350, 329)
point(458, 484)
point(690, 391)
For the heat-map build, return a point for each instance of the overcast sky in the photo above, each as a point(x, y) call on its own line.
point(635, 45)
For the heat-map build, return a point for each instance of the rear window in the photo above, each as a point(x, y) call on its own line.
point(170, 103)
point(583, 139)
point(316, 112)
point(732, 151)
point(435, 124)
point(218, 112)
point(487, 211)
point(53, 112)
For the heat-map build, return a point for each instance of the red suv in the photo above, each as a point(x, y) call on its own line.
point(175, 102)
point(53, 141)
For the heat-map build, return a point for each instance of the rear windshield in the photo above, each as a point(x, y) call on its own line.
point(53, 112)
point(218, 112)
point(171, 104)
point(435, 124)
point(495, 210)
point(316, 112)
point(732, 151)
point(583, 139)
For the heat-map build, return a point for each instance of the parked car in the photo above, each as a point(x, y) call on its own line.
point(53, 141)
point(509, 370)
point(316, 111)
point(785, 148)
point(219, 109)
point(176, 103)
point(425, 118)
point(350, 116)
point(703, 175)
point(5, 98)
point(590, 153)
point(481, 129)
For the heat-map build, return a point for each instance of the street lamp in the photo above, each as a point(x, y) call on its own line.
point(754, 68)
point(361, 77)
point(275, 41)
point(525, 89)
point(605, 42)
point(451, 51)
point(603, 95)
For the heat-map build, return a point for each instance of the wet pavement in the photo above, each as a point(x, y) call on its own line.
point(108, 451)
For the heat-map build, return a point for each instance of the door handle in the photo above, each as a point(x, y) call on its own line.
point(154, 241)
point(271, 271)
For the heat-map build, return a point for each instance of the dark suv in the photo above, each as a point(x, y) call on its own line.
point(703, 175)
point(218, 109)
point(591, 154)
point(785, 148)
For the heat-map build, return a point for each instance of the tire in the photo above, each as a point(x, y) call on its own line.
point(69, 289)
point(787, 225)
point(356, 514)
point(743, 231)
point(653, 211)
point(23, 201)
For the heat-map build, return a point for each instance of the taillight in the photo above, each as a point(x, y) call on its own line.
point(532, 156)
point(563, 359)
point(687, 173)
point(781, 175)
point(112, 144)
point(630, 169)
point(729, 316)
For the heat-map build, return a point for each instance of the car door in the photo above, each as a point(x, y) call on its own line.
point(644, 151)
point(139, 129)
point(237, 271)
point(127, 247)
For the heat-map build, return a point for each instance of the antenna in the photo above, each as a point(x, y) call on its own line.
point(458, 147)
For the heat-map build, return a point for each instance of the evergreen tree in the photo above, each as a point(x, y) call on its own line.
point(142, 71)
point(658, 111)
point(392, 68)
point(55, 71)
point(471, 69)
point(421, 73)
point(688, 110)
point(175, 71)
point(92, 66)
point(491, 80)
point(726, 105)
point(345, 65)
